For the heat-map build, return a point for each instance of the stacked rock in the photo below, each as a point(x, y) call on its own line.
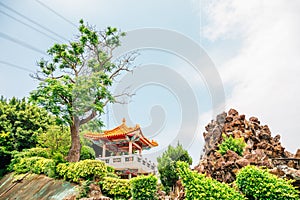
point(261, 150)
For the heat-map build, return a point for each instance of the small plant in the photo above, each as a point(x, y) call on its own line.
point(234, 144)
point(144, 187)
point(83, 189)
point(116, 188)
point(198, 186)
point(258, 183)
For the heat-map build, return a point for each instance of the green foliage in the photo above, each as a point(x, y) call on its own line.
point(144, 187)
point(87, 153)
point(21, 123)
point(36, 165)
point(82, 170)
point(258, 183)
point(28, 153)
point(76, 80)
point(198, 186)
point(116, 188)
point(56, 138)
point(167, 164)
point(83, 189)
point(5, 157)
point(234, 144)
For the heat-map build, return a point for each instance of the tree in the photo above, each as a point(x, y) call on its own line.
point(167, 164)
point(75, 82)
point(21, 123)
point(56, 138)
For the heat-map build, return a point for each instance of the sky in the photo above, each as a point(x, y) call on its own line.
point(251, 47)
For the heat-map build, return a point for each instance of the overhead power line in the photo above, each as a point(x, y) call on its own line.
point(21, 43)
point(32, 21)
point(56, 13)
point(16, 66)
point(28, 25)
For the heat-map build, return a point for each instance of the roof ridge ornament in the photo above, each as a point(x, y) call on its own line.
point(124, 120)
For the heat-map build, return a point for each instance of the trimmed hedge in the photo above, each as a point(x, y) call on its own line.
point(198, 186)
point(258, 183)
point(144, 187)
point(116, 188)
point(82, 170)
point(28, 153)
point(36, 165)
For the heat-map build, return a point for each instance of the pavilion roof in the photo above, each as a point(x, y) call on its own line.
point(122, 132)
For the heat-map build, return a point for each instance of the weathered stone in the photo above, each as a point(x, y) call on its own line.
point(261, 150)
point(254, 119)
point(297, 155)
point(233, 112)
point(242, 162)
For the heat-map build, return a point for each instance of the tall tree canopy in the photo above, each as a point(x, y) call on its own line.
point(167, 165)
point(75, 82)
point(21, 123)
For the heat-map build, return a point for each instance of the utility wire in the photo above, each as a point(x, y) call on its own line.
point(21, 43)
point(28, 25)
point(56, 13)
point(15, 66)
point(32, 21)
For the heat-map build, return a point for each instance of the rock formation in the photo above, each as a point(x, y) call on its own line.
point(262, 149)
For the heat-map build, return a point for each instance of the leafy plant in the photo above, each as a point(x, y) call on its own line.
point(21, 123)
point(167, 165)
point(198, 186)
point(144, 187)
point(87, 153)
point(36, 165)
point(83, 189)
point(116, 188)
point(28, 153)
point(258, 183)
point(234, 144)
point(5, 157)
point(82, 170)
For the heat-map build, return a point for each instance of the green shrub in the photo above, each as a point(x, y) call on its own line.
point(116, 188)
point(87, 152)
point(82, 170)
point(198, 186)
point(36, 165)
point(258, 183)
point(28, 153)
point(234, 144)
point(45, 166)
point(5, 157)
point(144, 187)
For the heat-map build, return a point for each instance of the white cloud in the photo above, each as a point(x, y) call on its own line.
point(265, 72)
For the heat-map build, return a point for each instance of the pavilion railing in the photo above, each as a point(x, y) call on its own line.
point(133, 159)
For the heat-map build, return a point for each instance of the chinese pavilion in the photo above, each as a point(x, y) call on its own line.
point(122, 148)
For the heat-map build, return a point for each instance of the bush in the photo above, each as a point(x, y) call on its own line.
point(198, 186)
point(257, 183)
point(234, 144)
point(5, 157)
point(82, 170)
point(45, 166)
point(87, 153)
point(36, 165)
point(116, 188)
point(144, 187)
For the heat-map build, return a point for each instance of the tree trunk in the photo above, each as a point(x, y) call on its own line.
point(74, 152)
